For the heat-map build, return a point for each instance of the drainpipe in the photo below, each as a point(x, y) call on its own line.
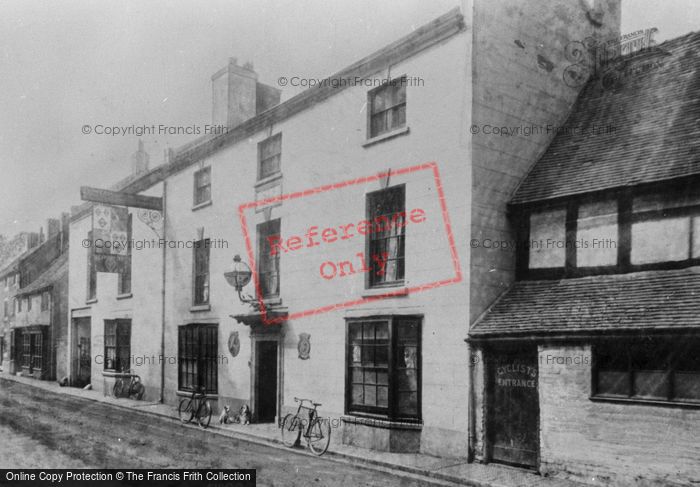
point(162, 300)
point(471, 416)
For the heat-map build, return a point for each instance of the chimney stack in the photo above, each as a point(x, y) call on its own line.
point(139, 160)
point(53, 226)
point(237, 95)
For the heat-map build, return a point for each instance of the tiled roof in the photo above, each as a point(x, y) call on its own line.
point(57, 270)
point(652, 300)
point(654, 109)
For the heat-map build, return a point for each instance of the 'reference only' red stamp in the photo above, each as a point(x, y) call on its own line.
point(337, 253)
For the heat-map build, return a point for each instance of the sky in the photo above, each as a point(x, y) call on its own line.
point(66, 64)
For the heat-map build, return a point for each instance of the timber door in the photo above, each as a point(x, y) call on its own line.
point(266, 381)
point(513, 426)
point(82, 352)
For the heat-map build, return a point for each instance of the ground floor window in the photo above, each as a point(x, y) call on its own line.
point(117, 345)
point(198, 347)
point(650, 369)
point(383, 367)
point(30, 348)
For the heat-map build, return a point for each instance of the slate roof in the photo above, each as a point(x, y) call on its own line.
point(57, 270)
point(655, 109)
point(653, 300)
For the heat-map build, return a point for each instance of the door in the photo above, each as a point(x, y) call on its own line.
point(82, 352)
point(266, 381)
point(514, 407)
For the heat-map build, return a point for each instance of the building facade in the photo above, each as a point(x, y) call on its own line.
point(587, 366)
point(35, 313)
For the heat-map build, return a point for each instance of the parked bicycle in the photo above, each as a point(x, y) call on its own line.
point(195, 407)
point(316, 430)
point(131, 387)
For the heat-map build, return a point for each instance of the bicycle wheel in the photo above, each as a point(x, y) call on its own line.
point(184, 410)
point(290, 430)
point(204, 414)
point(118, 388)
point(138, 390)
point(320, 436)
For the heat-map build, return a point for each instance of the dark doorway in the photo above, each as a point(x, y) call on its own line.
point(82, 352)
point(513, 426)
point(266, 381)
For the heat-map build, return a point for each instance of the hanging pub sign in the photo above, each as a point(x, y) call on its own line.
point(110, 238)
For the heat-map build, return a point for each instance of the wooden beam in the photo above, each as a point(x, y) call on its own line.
point(117, 198)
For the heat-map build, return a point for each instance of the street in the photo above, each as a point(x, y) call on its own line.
point(41, 429)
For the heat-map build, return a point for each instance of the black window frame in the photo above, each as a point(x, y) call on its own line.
point(198, 356)
point(391, 411)
point(276, 156)
point(628, 351)
point(520, 215)
point(199, 188)
point(45, 300)
point(372, 279)
point(398, 84)
point(201, 272)
point(117, 338)
point(265, 260)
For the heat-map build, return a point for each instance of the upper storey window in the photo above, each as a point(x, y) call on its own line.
point(630, 231)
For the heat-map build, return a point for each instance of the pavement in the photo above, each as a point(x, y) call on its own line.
point(448, 470)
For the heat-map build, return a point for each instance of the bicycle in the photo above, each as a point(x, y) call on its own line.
point(195, 406)
point(134, 388)
point(317, 432)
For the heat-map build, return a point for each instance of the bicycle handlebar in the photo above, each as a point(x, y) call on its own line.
point(301, 400)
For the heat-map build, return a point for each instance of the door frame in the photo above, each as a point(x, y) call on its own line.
point(267, 334)
point(489, 353)
point(74, 374)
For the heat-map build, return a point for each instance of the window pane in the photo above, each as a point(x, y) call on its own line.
point(382, 396)
point(597, 234)
point(357, 396)
point(660, 240)
point(653, 384)
point(408, 403)
point(268, 264)
point(408, 380)
point(548, 237)
point(614, 383)
point(696, 238)
point(370, 396)
point(687, 386)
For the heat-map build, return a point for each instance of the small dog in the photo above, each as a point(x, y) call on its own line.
point(224, 417)
point(244, 415)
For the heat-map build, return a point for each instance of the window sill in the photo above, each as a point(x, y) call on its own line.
point(201, 205)
point(273, 301)
point(200, 307)
point(189, 394)
point(91, 301)
point(397, 291)
point(124, 296)
point(268, 179)
point(645, 402)
point(385, 136)
point(379, 422)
